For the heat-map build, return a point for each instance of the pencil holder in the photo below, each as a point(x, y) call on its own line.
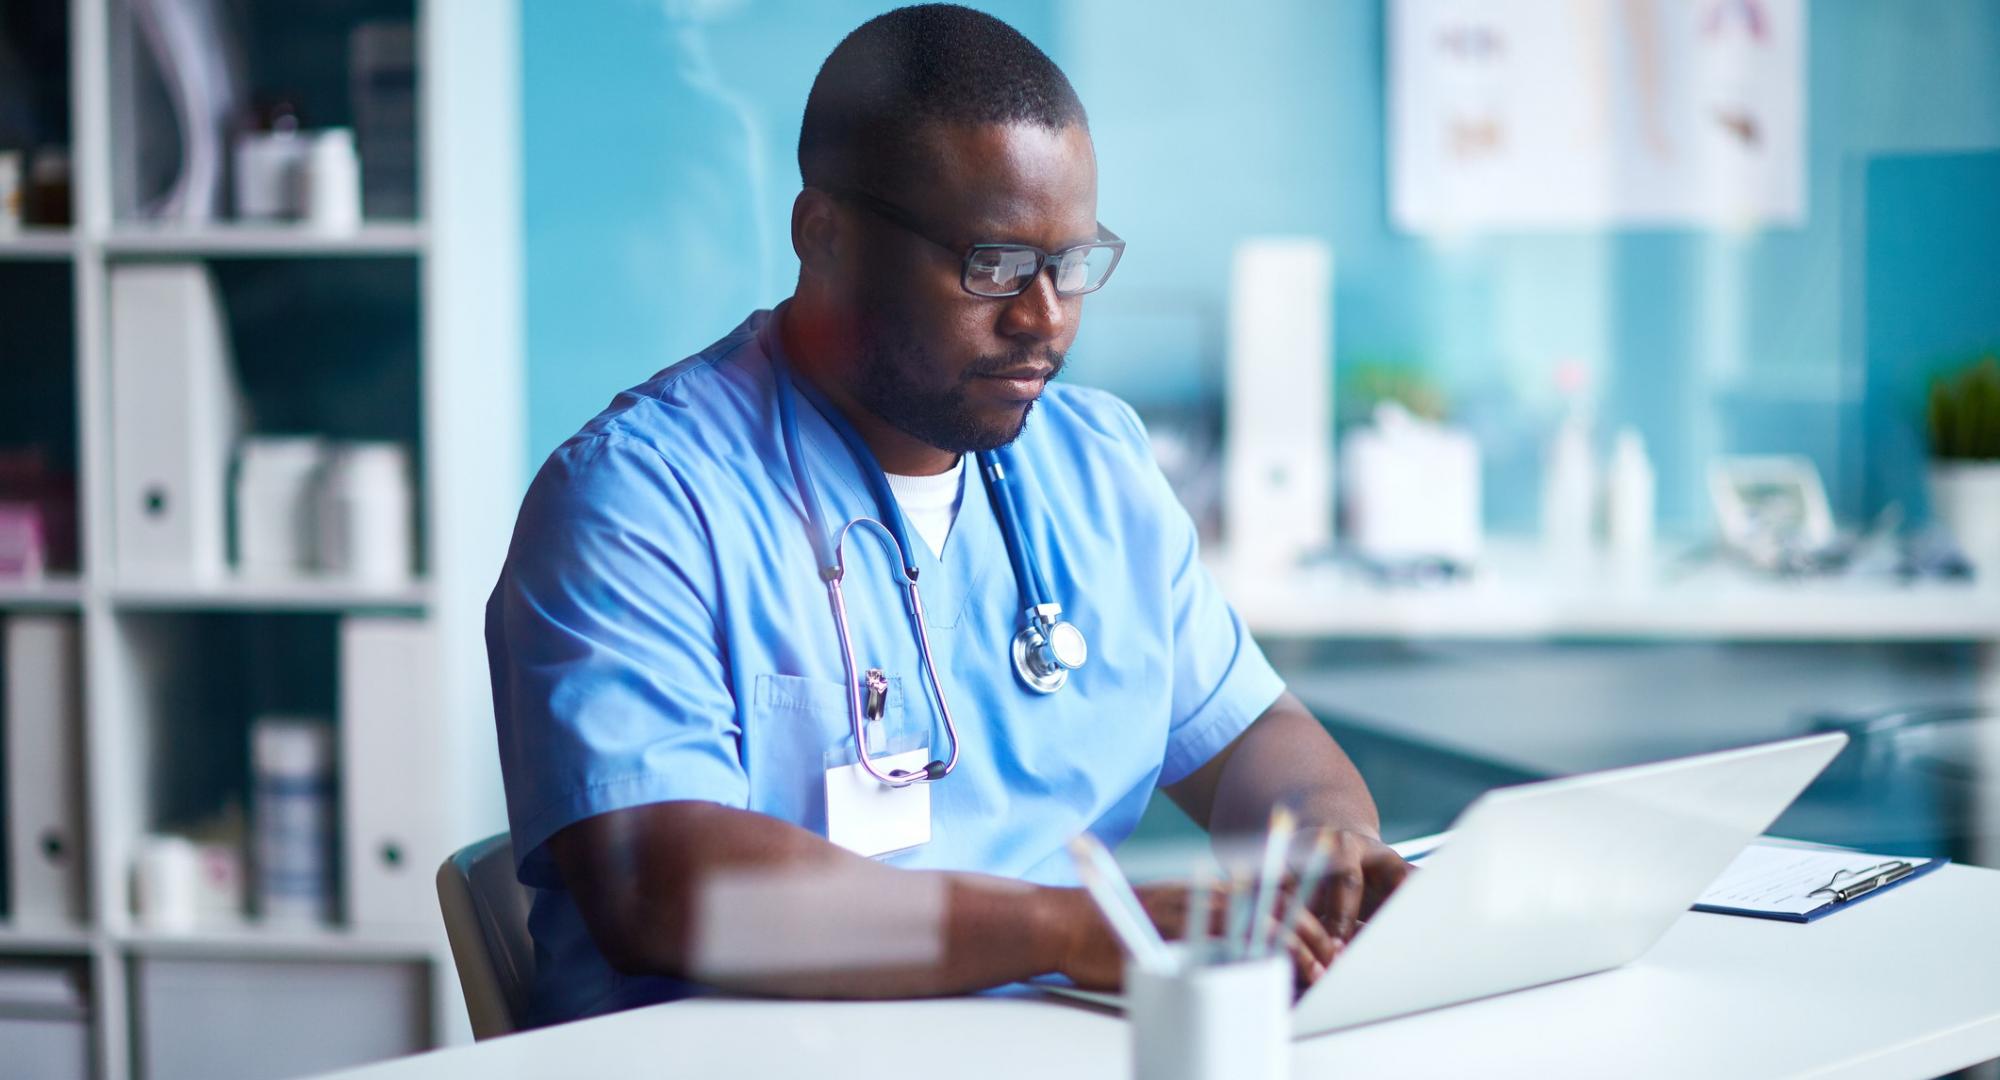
point(1211, 1021)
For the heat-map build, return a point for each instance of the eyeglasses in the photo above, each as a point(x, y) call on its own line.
point(1003, 270)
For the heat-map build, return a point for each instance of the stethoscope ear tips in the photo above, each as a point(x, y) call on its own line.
point(934, 771)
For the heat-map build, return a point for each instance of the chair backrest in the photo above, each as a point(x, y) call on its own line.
point(486, 919)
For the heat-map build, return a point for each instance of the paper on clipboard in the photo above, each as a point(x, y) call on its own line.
point(1782, 881)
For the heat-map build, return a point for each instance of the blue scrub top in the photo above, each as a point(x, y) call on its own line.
point(659, 632)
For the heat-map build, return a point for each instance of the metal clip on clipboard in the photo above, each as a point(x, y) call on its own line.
point(1864, 881)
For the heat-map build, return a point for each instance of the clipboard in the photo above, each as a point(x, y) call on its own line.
point(1764, 882)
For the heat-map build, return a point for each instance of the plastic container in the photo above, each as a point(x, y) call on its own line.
point(166, 884)
point(367, 514)
point(1569, 498)
point(1628, 507)
point(331, 182)
point(269, 168)
point(292, 818)
point(276, 485)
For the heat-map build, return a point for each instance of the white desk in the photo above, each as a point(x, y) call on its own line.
point(1906, 984)
point(1515, 597)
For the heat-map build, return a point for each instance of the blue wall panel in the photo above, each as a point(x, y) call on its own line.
point(660, 172)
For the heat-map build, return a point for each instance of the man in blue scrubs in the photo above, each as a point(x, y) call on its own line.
point(672, 698)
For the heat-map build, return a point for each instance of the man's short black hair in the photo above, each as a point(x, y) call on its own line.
point(914, 67)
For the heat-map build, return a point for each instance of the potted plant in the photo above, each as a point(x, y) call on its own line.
point(1964, 417)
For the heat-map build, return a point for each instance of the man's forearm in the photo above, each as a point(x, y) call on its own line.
point(1287, 757)
point(649, 880)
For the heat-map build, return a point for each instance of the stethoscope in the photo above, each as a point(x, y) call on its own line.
point(1048, 646)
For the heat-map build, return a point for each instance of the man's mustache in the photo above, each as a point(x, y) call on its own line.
point(994, 365)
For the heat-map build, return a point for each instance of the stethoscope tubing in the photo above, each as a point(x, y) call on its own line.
point(1027, 568)
point(828, 546)
point(915, 607)
point(827, 550)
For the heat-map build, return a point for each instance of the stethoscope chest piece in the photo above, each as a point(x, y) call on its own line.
point(1047, 650)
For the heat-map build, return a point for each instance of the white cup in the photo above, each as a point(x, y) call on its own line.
point(1211, 1021)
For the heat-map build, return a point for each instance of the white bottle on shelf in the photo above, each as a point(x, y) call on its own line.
point(1629, 507)
point(330, 182)
point(1569, 496)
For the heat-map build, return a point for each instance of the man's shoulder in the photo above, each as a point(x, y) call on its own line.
point(702, 406)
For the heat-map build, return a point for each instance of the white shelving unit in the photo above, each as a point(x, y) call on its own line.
point(37, 244)
point(459, 265)
point(253, 595)
point(231, 240)
point(56, 592)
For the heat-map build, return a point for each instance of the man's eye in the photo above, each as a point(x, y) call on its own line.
point(1074, 272)
point(1004, 266)
point(992, 265)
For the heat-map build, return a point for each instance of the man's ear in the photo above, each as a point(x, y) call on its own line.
point(817, 233)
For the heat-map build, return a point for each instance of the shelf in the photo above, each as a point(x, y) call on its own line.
point(37, 243)
point(59, 592)
point(44, 941)
point(1514, 599)
point(262, 241)
point(252, 941)
point(239, 594)
point(347, 336)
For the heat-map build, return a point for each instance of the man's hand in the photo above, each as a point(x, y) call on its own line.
point(1095, 960)
point(1287, 758)
point(1361, 873)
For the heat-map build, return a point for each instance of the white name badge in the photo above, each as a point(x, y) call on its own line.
point(868, 817)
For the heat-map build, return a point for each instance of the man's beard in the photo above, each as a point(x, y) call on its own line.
point(899, 383)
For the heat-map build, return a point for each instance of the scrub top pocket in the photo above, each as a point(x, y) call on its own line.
point(797, 729)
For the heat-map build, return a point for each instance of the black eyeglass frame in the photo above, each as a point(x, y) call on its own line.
point(903, 219)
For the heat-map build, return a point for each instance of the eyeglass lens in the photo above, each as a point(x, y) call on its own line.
point(1007, 271)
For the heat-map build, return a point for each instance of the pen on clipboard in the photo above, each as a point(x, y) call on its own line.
point(1864, 881)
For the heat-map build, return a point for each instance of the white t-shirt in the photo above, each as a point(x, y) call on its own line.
point(930, 503)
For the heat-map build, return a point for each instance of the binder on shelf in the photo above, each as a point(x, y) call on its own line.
point(392, 769)
point(1278, 431)
point(43, 718)
point(175, 416)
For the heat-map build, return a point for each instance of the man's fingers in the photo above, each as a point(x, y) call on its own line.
point(1340, 902)
point(1386, 871)
point(1307, 966)
point(1313, 935)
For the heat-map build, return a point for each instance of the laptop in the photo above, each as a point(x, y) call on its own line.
point(1560, 878)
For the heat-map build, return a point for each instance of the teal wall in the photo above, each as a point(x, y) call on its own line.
point(1933, 286)
point(659, 173)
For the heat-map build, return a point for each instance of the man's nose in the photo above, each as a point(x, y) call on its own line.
point(1038, 313)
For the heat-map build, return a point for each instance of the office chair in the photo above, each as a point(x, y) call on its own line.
point(486, 920)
